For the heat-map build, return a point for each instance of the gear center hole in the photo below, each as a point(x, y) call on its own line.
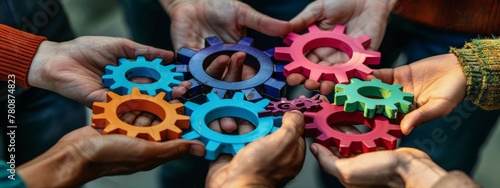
point(327, 52)
point(238, 122)
point(251, 66)
point(140, 113)
point(142, 75)
point(374, 92)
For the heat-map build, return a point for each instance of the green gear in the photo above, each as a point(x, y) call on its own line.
point(373, 97)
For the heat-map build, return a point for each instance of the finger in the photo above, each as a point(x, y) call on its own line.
point(129, 117)
point(130, 49)
point(178, 92)
point(347, 129)
point(218, 66)
point(431, 110)
point(142, 80)
point(245, 126)
point(326, 87)
point(294, 122)
point(325, 158)
point(235, 67)
point(295, 79)
point(144, 119)
point(248, 72)
point(250, 18)
point(385, 75)
point(221, 161)
point(228, 124)
point(310, 15)
point(175, 148)
point(324, 98)
point(215, 126)
point(311, 85)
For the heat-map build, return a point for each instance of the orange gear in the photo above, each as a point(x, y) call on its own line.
point(106, 116)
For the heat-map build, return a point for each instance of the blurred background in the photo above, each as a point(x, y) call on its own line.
point(105, 17)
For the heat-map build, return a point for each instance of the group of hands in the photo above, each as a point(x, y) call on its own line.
point(74, 69)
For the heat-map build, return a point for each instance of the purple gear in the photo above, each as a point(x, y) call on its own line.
point(278, 108)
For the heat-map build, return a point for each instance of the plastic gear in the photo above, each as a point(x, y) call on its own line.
point(261, 61)
point(106, 116)
point(383, 134)
point(117, 77)
point(278, 108)
point(340, 73)
point(216, 108)
point(373, 97)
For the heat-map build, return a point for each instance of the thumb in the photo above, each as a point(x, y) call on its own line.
point(427, 112)
point(325, 158)
point(250, 18)
point(310, 15)
point(175, 148)
point(292, 124)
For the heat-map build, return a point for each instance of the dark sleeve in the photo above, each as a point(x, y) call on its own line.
point(8, 177)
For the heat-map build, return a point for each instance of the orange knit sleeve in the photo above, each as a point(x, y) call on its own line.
point(17, 49)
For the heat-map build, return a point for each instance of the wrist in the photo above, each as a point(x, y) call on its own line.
point(419, 172)
point(248, 181)
point(38, 71)
point(58, 167)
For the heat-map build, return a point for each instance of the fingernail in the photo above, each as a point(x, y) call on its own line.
point(197, 150)
point(409, 130)
point(314, 149)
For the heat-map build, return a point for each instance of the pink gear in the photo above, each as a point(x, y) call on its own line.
point(278, 108)
point(383, 134)
point(340, 73)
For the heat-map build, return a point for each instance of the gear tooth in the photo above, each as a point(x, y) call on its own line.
point(246, 41)
point(269, 52)
point(135, 91)
point(283, 53)
point(111, 95)
point(316, 76)
point(323, 137)
point(182, 121)
point(369, 146)
point(178, 107)
point(364, 40)
point(161, 95)
point(179, 77)
point(212, 97)
point(238, 96)
point(109, 69)
point(213, 149)
point(221, 93)
point(389, 142)
point(98, 107)
point(140, 59)
point(99, 121)
point(369, 109)
point(151, 91)
point(404, 106)
point(294, 67)
point(355, 81)
point(184, 55)
point(237, 147)
point(338, 29)
point(122, 61)
point(190, 107)
point(363, 71)
point(372, 57)
point(251, 94)
point(313, 28)
point(212, 41)
point(131, 133)
point(274, 88)
point(108, 80)
point(377, 81)
point(110, 129)
point(340, 98)
point(156, 136)
point(390, 110)
point(262, 103)
point(290, 38)
point(120, 90)
point(351, 105)
point(342, 78)
point(192, 135)
point(158, 61)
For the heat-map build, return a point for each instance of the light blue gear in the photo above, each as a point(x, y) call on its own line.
point(373, 97)
point(117, 77)
point(216, 108)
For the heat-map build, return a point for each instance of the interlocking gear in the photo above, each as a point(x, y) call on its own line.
point(198, 61)
point(216, 108)
point(106, 116)
point(373, 97)
point(278, 108)
point(383, 134)
point(117, 77)
point(339, 73)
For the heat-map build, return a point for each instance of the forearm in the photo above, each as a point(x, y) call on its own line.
point(419, 172)
point(480, 60)
point(17, 50)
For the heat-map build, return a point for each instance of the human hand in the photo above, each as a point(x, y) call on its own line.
point(84, 154)
point(271, 161)
point(403, 167)
point(437, 82)
point(74, 68)
point(359, 17)
point(226, 19)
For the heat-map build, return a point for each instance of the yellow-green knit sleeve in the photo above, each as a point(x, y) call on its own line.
point(481, 64)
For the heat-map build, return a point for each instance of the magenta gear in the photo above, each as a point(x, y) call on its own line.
point(278, 108)
point(339, 73)
point(384, 134)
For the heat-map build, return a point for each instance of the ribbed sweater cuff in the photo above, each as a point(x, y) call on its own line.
point(480, 60)
point(17, 49)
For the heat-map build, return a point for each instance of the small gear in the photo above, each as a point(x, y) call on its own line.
point(260, 61)
point(383, 134)
point(117, 77)
point(278, 108)
point(373, 97)
point(106, 116)
point(340, 73)
point(216, 108)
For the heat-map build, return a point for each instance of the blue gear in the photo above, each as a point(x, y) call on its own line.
point(117, 77)
point(216, 108)
point(195, 62)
